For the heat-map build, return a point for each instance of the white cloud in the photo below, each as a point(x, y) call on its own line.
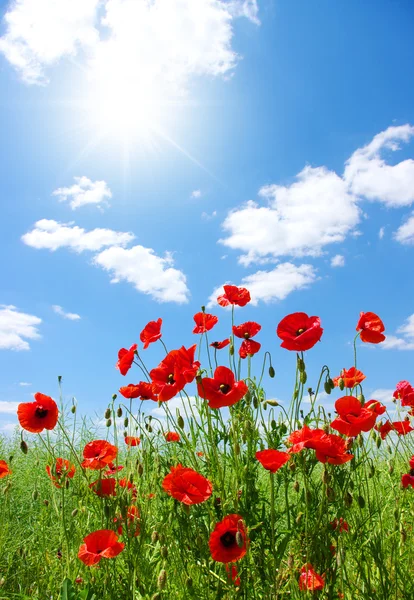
point(51, 235)
point(270, 286)
point(40, 32)
point(196, 194)
point(66, 315)
point(208, 217)
point(175, 403)
point(405, 233)
point(83, 192)
point(405, 341)
point(370, 176)
point(8, 408)
point(300, 219)
point(338, 260)
point(16, 328)
point(244, 8)
point(24, 384)
point(147, 272)
point(381, 233)
point(384, 396)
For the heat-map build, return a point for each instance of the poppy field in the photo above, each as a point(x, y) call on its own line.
point(234, 495)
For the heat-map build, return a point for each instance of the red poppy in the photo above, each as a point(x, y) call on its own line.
point(132, 441)
point(299, 332)
point(185, 363)
point(38, 415)
point(400, 427)
point(142, 390)
point(112, 469)
point(272, 460)
point(166, 378)
point(200, 453)
point(246, 330)
point(310, 580)
point(328, 447)
point(371, 328)
point(351, 377)
point(384, 429)
point(353, 418)
point(408, 479)
point(249, 348)
point(223, 543)
point(222, 390)
point(204, 322)
point(404, 391)
point(131, 390)
point(99, 454)
point(339, 524)
point(220, 345)
point(104, 487)
point(125, 359)
point(172, 436)
point(132, 521)
point(4, 469)
point(187, 486)
point(128, 485)
point(233, 574)
point(60, 471)
point(238, 296)
point(411, 462)
point(100, 544)
point(151, 333)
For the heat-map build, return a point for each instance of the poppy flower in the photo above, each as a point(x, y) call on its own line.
point(272, 460)
point(329, 448)
point(132, 441)
point(299, 332)
point(4, 469)
point(233, 574)
point(353, 418)
point(132, 521)
point(411, 462)
point(371, 328)
point(204, 322)
point(187, 486)
point(246, 330)
point(234, 295)
point(222, 389)
point(99, 454)
point(351, 377)
point(384, 429)
point(224, 542)
point(99, 544)
point(125, 359)
point(339, 524)
point(38, 415)
point(249, 348)
point(151, 333)
point(220, 345)
point(142, 390)
point(112, 469)
point(172, 436)
point(400, 428)
point(408, 479)
point(130, 391)
point(60, 471)
point(404, 391)
point(185, 363)
point(200, 453)
point(126, 484)
point(167, 379)
point(310, 580)
point(104, 487)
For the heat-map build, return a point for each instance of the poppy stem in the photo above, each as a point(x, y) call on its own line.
point(272, 512)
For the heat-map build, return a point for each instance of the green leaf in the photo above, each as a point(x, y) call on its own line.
point(67, 591)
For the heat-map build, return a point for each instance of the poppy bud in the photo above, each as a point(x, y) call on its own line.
point(35, 495)
point(301, 365)
point(271, 372)
point(107, 413)
point(114, 396)
point(189, 582)
point(119, 412)
point(155, 537)
point(239, 539)
point(348, 499)
point(303, 377)
point(326, 428)
point(162, 579)
point(46, 502)
point(361, 501)
point(371, 472)
point(23, 447)
point(231, 349)
point(73, 409)
point(148, 428)
point(272, 402)
point(327, 387)
point(379, 442)
point(74, 512)
point(255, 402)
point(341, 384)
point(264, 405)
point(331, 383)
point(273, 424)
point(59, 378)
point(361, 398)
point(140, 469)
point(292, 466)
point(295, 394)
point(180, 422)
point(237, 448)
point(108, 422)
point(296, 486)
point(164, 551)
point(299, 518)
point(126, 422)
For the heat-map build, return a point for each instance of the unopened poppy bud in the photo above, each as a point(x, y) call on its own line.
point(271, 372)
point(341, 384)
point(371, 472)
point(148, 428)
point(264, 405)
point(108, 422)
point(114, 396)
point(361, 501)
point(164, 551)
point(231, 349)
point(331, 383)
point(272, 402)
point(35, 494)
point(299, 518)
point(119, 412)
point(46, 502)
point(296, 486)
point(74, 512)
point(73, 409)
point(301, 365)
point(330, 494)
point(327, 387)
point(189, 582)
point(107, 413)
point(255, 402)
point(237, 448)
point(292, 466)
point(126, 422)
point(140, 469)
point(155, 537)
point(59, 378)
point(162, 579)
point(273, 424)
point(303, 377)
point(239, 539)
point(361, 398)
point(23, 447)
point(180, 422)
point(379, 442)
point(348, 499)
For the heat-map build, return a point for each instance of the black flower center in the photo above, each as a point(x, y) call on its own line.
point(228, 539)
point(411, 472)
point(300, 331)
point(224, 388)
point(170, 378)
point(41, 412)
point(246, 335)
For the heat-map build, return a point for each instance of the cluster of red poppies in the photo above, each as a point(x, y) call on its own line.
point(229, 540)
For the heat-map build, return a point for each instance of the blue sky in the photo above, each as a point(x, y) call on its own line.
point(267, 144)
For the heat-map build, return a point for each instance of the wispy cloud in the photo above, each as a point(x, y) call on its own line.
point(8, 408)
point(16, 328)
point(65, 315)
point(338, 260)
point(405, 341)
point(209, 217)
point(83, 192)
point(405, 233)
point(381, 233)
point(196, 194)
point(25, 384)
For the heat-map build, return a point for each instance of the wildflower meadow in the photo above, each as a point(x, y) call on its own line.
point(233, 495)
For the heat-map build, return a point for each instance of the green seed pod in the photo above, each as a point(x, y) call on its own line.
point(108, 422)
point(341, 384)
point(348, 499)
point(327, 387)
point(361, 501)
point(255, 402)
point(23, 447)
point(303, 377)
point(271, 372)
point(231, 349)
point(296, 394)
point(119, 412)
point(239, 539)
point(164, 551)
point(180, 422)
point(35, 495)
point(114, 396)
point(73, 409)
point(331, 383)
point(361, 398)
point(126, 422)
point(74, 512)
point(148, 428)
point(296, 486)
point(301, 365)
point(299, 518)
point(378, 442)
point(155, 537)
point(272, 402)
point(189, 582)
point(237, 448)
point(162, 579)
point(107, 413)
point(273, 424)
point(371, 472)
point(140, 469)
